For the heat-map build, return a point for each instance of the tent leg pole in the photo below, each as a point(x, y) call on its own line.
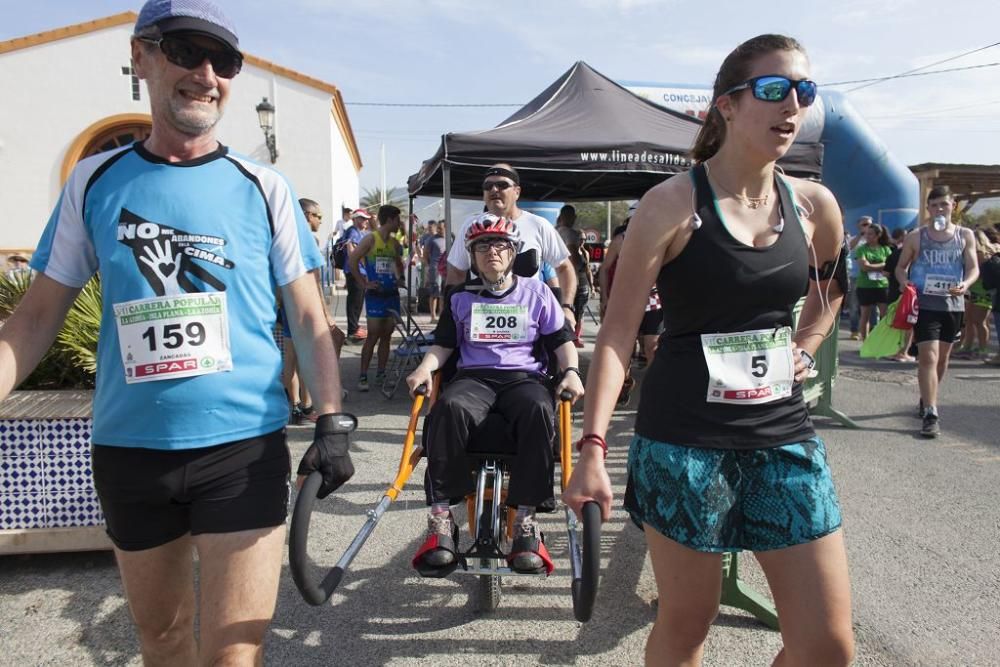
point(446, 182)
point(409, 269)
point(607, 234)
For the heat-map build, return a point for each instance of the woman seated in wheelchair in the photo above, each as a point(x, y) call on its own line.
point(504, 331)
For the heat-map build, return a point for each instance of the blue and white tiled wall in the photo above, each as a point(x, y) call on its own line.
point(45, 474)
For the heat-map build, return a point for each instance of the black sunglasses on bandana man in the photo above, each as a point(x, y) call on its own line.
point(775, 88)
point(499, 185)
point(183, 52)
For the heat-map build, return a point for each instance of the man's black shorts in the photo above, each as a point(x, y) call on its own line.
point(652, 323)
point(939, 325)
point(151, 497)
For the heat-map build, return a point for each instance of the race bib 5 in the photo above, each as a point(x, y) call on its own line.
point(749, 367)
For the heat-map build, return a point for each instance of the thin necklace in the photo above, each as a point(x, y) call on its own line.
point(749, 202)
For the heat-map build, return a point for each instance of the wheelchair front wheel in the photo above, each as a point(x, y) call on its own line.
point(488, 592)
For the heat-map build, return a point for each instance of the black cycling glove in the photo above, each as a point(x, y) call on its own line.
point(328, 452)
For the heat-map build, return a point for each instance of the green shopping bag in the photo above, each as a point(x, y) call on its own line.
point(884, 340)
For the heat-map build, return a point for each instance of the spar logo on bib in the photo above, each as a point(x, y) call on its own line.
point(166, 368)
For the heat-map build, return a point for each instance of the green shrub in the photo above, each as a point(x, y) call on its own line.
point(71, 362)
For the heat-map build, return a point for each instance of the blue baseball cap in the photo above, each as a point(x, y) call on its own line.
point(196, 16)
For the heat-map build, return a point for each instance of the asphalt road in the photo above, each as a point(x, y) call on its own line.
point(921, 518)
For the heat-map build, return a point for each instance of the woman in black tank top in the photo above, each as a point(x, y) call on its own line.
point(725, 457)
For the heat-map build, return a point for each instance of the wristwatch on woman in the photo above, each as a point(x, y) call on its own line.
point(809, 359)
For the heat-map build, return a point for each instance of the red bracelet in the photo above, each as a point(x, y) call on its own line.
point(594, 438)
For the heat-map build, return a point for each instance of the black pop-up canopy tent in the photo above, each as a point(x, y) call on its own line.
point(585, 137)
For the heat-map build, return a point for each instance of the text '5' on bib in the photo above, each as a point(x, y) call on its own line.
point(749, 367)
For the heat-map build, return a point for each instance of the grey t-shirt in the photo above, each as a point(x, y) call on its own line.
point(433, 246)
point(938, 265)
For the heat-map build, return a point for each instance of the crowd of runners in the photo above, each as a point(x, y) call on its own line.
point(703, 276)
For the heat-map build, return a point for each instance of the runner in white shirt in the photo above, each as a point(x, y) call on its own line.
point(501, 190)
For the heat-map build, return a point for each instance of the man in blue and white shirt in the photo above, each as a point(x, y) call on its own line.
point(189, 412)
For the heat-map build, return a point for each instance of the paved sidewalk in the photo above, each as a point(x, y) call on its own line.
point(921, 520)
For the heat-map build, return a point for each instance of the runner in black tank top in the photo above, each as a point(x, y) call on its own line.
point(718, 284)
point(724, 457)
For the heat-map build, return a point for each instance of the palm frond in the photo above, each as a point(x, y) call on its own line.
point(71, 362)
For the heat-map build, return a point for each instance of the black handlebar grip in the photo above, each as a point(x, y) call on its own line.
point(298, 540)
point(584, 589)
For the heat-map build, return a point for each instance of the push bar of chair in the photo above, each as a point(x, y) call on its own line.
point(298, 538)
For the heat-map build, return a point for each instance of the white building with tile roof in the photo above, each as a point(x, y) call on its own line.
point(70, 93)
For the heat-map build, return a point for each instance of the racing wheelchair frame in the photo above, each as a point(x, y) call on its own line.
point(488, 520)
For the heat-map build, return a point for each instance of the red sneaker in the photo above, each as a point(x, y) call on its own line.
point(438, 550)
point(528, 554)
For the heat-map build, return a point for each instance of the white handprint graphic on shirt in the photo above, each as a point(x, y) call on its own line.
point(165, 266)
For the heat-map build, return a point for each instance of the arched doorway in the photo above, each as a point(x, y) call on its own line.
point(104, 135)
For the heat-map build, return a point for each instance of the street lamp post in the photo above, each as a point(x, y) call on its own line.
point(265, 114)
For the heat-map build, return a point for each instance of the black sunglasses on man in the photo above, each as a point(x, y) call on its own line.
point(183, 52)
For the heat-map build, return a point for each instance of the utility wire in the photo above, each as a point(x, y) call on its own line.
point(867, 82)
point(872, 82)
point(906, 75)
point(939, 110)
point(391, 104)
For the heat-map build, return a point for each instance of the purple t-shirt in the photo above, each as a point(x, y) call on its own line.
point(500, 332)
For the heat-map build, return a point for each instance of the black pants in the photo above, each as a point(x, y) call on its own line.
point(355, 302)
point(580, 299)
point(527, 407)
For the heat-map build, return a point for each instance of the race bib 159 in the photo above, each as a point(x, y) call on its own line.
point(174, 336)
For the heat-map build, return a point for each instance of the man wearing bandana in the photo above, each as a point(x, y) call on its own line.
point(501, 190)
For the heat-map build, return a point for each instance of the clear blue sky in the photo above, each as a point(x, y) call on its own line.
point(457, 51)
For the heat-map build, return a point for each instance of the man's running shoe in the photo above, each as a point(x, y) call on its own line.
point(931, 427)
point(992, 361)
point(438, 550)
point(528, 554)
point(295, 417)
point(308, 413)
point(363, 383)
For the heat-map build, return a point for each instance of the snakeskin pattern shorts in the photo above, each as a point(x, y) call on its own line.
point(729, 499)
